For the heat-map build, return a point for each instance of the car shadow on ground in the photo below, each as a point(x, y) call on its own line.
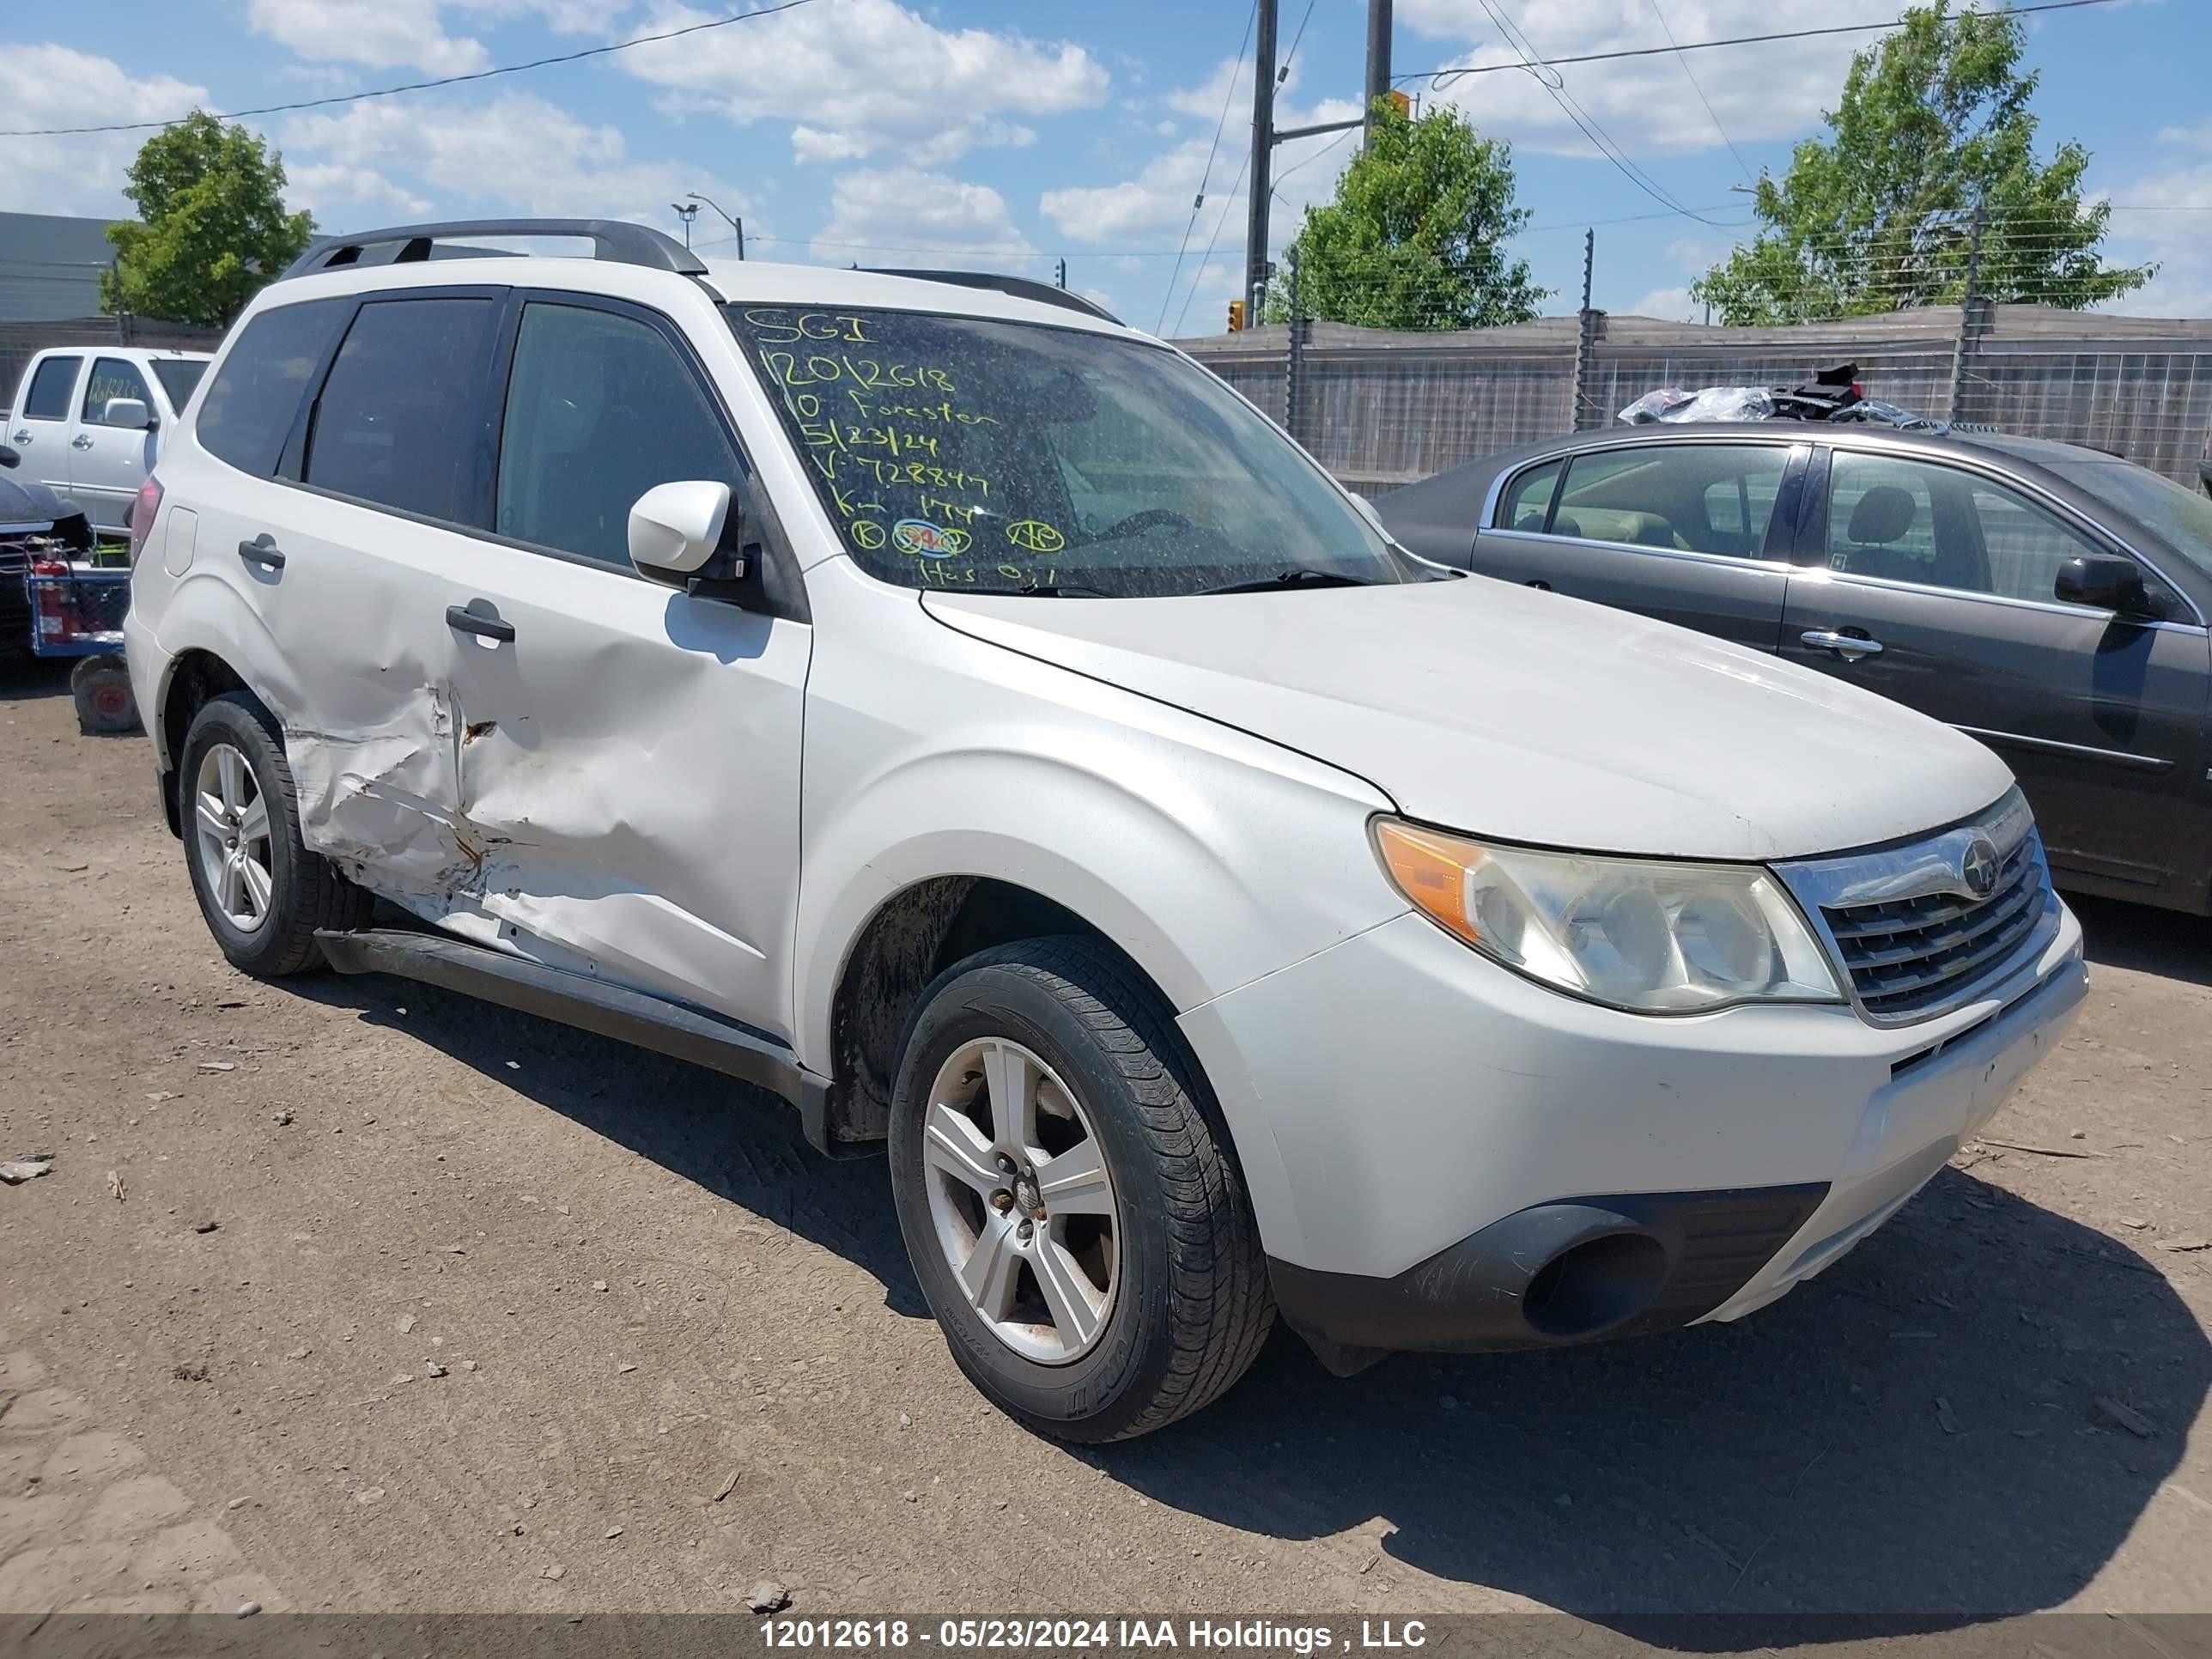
point(2134, 936)
point(1912, 1440)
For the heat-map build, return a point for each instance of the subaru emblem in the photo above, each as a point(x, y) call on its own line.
point(1977, 866)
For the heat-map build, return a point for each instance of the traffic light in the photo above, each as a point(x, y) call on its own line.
point(1235, 316)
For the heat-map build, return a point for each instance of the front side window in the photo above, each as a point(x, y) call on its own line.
point(48, 400)
point(1917, 521)
point(600, 408)
point(1692, 497)
point(982, 455)
point(255, 396)
point(398, 422)
point(112, 378)
point(2181, 518)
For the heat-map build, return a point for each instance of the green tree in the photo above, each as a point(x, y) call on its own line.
point(1415, 238)
point(212, 225)
point(1878, 213)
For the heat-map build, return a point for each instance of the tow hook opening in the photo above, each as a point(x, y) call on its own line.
point(1594, 1285)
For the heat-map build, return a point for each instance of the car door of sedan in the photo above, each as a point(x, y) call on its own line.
point(1686, 532)
point(1932, 583)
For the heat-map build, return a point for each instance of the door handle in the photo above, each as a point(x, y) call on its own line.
point(261, 550)
point(81, 441)
point(1538, 583)
point(1849, 647)
point(22, 437)
point(484, 626)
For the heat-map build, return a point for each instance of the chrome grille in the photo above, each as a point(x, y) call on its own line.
point(1906, 926)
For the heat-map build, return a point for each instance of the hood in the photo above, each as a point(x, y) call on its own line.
point(27, 503)
point(1491, 709)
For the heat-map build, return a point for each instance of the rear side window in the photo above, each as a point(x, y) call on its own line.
point(255, 396)
point(112, 378)
point(178, 376)
point(1529, 498)
point(1693, 497)
point(399, 420)
point(48, 400)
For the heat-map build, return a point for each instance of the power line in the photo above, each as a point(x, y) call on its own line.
point(1555, 86)
point(1440, 78)
point(1199, 275)
point(1667, 30)
point(1213, 149)
point(1284, 73)
point(417, 85)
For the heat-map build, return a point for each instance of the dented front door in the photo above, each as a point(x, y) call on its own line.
point(627, 772)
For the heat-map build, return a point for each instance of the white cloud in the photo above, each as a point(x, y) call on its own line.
point(1672, 305)
point(908, 209)
point(869, 77)
point(1776, 90)
point(53, 86)
point(1155, 202)
point(328, 189)
point(380, 34)
point(516, 153)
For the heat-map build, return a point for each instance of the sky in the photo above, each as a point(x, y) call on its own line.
point(1005, 135)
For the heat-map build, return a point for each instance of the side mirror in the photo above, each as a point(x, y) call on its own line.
point(677, 531)
point(2104, 581)
point(8, 457)
point(1369, 511)
point(129, 413)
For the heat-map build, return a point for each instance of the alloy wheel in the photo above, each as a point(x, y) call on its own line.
point(230, 821)
point(1021, 1200)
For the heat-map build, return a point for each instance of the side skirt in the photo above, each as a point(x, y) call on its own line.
point(591, 1004)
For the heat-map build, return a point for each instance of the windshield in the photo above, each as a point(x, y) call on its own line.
point(178, 376)
point(2181, 517)
point(955, 453)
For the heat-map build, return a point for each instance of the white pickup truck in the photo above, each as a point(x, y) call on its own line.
point(86, 420)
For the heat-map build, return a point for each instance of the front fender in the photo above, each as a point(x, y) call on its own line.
point(1210, 857)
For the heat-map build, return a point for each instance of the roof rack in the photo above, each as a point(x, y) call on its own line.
point(1020, 288)
point(614, 240)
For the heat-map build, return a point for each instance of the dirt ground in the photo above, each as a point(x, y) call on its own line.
point(353, 1294)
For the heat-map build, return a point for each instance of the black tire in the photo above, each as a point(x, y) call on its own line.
point(100, 687)
point(1191, 1305)
point(305, 892)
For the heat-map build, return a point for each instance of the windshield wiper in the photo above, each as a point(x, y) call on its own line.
point(1301, 576)
point(1054, 590)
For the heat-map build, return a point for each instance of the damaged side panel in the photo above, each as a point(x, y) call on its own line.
point(614, 791)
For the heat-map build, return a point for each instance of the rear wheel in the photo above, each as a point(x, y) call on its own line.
point(1068, 1200)
point(263, 893)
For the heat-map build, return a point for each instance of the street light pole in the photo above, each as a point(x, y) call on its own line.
point(737, 225)
point(687, 214)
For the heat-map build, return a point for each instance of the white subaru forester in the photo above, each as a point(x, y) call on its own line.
point(966, 717)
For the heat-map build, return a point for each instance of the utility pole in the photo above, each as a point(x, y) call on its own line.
point(1263, 156)
point(1378, 58)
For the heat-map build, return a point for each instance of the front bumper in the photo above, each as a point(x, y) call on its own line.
point(1437, 1123)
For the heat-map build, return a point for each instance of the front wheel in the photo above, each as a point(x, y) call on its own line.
point(1069, 1201)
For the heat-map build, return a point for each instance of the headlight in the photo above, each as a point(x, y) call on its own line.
point(1642, 934)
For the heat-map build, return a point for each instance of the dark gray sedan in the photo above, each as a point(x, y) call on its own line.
point(2048, 599)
